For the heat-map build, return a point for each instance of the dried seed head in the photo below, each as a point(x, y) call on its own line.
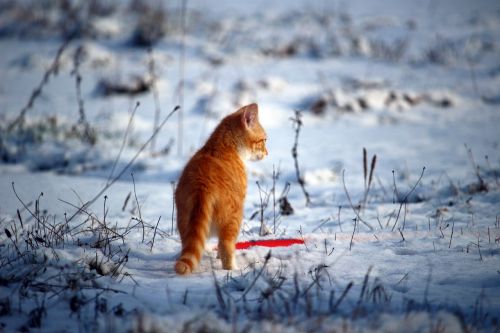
point(372, 168)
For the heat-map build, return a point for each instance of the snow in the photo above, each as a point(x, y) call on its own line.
point(421, 254)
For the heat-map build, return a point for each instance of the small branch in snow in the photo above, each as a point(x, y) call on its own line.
point(51, 71)
point(452, 228)
point(302, 237)
point(125, 168)
point(297, 122)
point(404, 216)
point(441, 230)
point(482, 186)
point(402, 279)
point(401, 233)
point(365, 284)
point(378, 220)
point(338, 218)
point(88, 132)
point(352, 206)
point(127, 131)
point(404, 201)
point(395, 194)
point(154, 234)
point(326, 248)
point(353, 231)
point(245, 292)
point(264, 201)
point(138, 206)
point(344, 293)
point(20, 219)
point(328, 219)
point(127, 198)
point(35, 216)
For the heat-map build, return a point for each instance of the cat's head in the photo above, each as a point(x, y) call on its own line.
point(254, 137)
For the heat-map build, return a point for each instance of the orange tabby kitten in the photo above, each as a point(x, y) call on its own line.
point(212, 188)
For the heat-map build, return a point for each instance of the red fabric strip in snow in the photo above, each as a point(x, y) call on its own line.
point(268, 243)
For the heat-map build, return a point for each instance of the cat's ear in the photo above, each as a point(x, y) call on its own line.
point(249, 115)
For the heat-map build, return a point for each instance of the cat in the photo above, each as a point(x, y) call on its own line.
point(212, 188)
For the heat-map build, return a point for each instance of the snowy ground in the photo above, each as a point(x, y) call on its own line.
point(415, 82)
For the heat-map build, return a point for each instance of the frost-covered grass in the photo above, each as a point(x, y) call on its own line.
point(408, 243)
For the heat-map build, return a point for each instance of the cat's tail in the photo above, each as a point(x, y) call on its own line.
point(193, 240)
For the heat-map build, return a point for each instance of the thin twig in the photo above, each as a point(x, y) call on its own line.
point(125, 168)
point(52, 70)
point(338, 218)
point(129, 126)
point(406, 197)
point(90, 215)
point(352, 206)
point(353, 231)
point(154, 234)
point(127, 198)
point(297, 122)
point(365, 166)
point(344, 293)
point(481, 181)
point(404, 215)
point(401, 233)
point(264, 201)
point(138, 206)
point(322, 223)
point(266, 260)
point(395, 194)
point(20, 219)
point(88, 132)
point(37, 218)
point(365, 284)
point(451, 237)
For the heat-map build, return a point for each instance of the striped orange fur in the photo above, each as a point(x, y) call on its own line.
point(212, 188)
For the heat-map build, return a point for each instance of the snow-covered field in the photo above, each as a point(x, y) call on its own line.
point(416, 83)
